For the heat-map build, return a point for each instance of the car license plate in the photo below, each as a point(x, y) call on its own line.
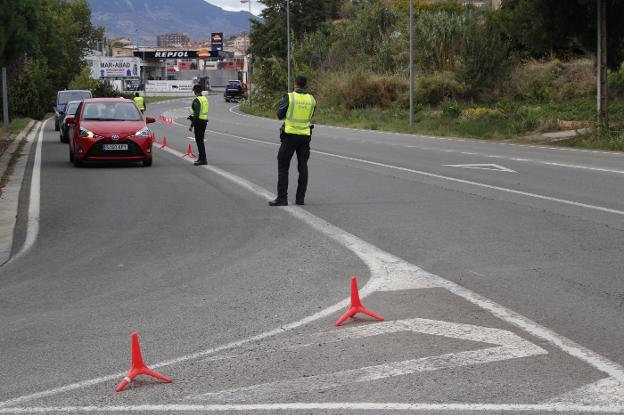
point(115, 147)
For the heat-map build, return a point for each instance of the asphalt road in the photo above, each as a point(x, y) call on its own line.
point(501, 283)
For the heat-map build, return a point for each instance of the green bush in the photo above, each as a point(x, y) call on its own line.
point(439, 34)
point(83, 80)
point(616, 82)
point(361, 90)
point(435, 88)
point(450, 108)
point(29, 92)
point(484, 53)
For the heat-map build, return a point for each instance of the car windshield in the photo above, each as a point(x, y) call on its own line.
point(71, 108)
point(111, 111)
point(66, 96)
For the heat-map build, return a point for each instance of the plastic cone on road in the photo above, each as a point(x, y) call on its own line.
point(356, 306)
point(138, 367)
point(189, 152)
point(164, 142)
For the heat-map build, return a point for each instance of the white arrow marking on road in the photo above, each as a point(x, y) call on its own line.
point(491, 167)
point(509, 346)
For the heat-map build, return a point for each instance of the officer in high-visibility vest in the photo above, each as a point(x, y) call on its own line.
point(296, 109)
point(140, 102)
point(199, 121)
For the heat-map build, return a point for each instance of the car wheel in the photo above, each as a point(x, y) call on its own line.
point(147, 162)
point(77, 163)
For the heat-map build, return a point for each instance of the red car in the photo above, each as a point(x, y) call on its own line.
point(108, 129)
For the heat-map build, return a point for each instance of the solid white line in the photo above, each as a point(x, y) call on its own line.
point(438, 138)
point(34, 201)
point(346, 406)
point(447, 178)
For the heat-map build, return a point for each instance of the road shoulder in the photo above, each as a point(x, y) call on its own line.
point(13, 167)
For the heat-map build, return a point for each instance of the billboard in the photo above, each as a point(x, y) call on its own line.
point(107, 67)
point(169, 86)
point(216, 41)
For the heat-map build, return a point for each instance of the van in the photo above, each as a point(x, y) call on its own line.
point(62, 98)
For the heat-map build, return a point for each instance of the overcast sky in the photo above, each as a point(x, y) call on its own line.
point(236, 5)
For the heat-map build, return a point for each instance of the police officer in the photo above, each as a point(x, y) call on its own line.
point(296, 109)
point(140, 102)
point(199, 121)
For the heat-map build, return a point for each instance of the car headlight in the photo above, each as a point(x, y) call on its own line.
point(84, 133)
point(143, 132)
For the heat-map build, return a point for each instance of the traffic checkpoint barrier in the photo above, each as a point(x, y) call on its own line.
point(138, 367)
point(164, 142)
point(189, 152)
point(356, 306)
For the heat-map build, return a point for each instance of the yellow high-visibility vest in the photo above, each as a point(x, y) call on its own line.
point(140, 102)
point(203, 111)
point(300, 110)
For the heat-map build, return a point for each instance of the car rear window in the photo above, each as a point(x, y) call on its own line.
point(65, 96)
point(234, 85)
point(111, 111)
point(71, 108)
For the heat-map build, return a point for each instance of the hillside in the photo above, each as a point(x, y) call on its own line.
point(142, 20)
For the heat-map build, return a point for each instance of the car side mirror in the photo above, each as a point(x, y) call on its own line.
point(150, 119)
point(70, 120)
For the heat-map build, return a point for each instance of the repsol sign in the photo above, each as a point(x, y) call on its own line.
point(167, 54)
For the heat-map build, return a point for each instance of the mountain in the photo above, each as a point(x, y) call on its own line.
point(142, 20)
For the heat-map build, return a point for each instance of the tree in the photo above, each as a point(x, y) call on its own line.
point(43, 43)
point(539, 28)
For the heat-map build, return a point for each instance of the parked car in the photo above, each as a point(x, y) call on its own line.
point(234, 91)
point(109, 129)
point(62, 98)
point(70, 109)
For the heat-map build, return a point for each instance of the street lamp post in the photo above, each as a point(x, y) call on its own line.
point(247, 43)
point(288, 40)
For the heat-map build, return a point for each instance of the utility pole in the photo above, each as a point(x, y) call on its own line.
point(247, 43)
point(5, 101)
point(601, 61)
point(288, 40)
point(411, 64)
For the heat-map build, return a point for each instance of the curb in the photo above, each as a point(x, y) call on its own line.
point(9, 200)
point(6, 157)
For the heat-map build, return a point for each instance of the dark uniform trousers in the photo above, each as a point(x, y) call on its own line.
point(200, 131)
point(293, 143)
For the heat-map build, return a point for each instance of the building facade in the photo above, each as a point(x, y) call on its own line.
point(173, 40)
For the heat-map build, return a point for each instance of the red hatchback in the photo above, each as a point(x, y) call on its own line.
point(108, 129)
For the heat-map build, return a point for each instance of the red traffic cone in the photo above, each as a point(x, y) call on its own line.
point(138, 367)
point(164, 142)
point(189, 152)
point(356, 306)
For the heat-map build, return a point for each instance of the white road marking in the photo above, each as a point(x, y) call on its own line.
point(322, 406)
point(491, 167)
point(446, 178)
point(606, 391)
point(509, 346)
point(454, 139)
point(382, 278)
point(34, 201)
point(9, 199)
